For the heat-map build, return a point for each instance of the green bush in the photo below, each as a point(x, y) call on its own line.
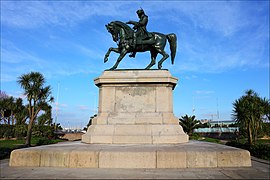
point(20, 131)
point(265, 131)
point(238, 144)
point(6, 131)
point(43, 141)
point(259, 150)
point(195, 136)
point(8, 134)
point(43, 131)
point(2, 130)
point(208, 139)
point(4, 152)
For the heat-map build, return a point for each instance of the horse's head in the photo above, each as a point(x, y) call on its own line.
point(116, 27)
point(113, 30)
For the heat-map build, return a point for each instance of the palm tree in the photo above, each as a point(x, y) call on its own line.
point(38, 97)
point(12, 110)
point(7, 107)
point(20, 112)
point(189, 123)
point(3, 106)
point(46, 117)
point(12, 107)
point(266, 106)
point(248, 112)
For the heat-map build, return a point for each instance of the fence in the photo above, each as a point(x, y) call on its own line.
point(217, 130)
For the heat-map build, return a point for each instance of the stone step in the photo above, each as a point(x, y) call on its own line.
point(140, 134)
point(194, 154)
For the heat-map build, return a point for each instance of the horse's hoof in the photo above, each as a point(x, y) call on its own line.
point(105, 59)
point(147, 67)
point(150, 65)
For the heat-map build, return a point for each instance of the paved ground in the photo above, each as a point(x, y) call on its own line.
point(259, 170)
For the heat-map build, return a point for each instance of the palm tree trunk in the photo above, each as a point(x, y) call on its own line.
point(250, 137)
point(29, 133)
point(30, 125)
point(12, 118)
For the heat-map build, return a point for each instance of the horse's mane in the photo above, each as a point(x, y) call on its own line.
point(127, 29)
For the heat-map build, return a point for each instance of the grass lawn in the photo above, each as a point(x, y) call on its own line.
point(207, 139)
point(6, 146)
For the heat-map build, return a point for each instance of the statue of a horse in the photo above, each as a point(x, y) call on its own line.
point(123, 35)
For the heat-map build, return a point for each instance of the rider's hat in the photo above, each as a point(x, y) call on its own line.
point(140, 11)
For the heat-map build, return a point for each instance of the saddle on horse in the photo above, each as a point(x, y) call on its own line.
point(141, 40)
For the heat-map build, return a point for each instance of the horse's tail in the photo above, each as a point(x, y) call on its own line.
point(173, 45)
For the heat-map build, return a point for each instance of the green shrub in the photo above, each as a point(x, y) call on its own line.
point(2, 130)
point(4, 152)
point(195, 136)
point(43, 131)
point(265, 131)
point(20, 131)
point(238, 144)
point(8, 134)
point(43, 141)
point(259, 150)
point(6, 131)
point(213, 140)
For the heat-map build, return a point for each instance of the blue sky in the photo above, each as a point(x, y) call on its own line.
point(223, 50)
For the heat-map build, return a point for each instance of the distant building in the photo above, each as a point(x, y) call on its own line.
point(221, 123)
point(72, 130)
point(217, 126)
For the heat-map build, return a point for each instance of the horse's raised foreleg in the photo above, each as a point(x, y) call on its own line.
point(109, 51)
point(119, 59)
point(165, 56)
point(153, 59)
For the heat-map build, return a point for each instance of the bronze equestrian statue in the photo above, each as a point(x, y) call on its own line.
point(130, 41)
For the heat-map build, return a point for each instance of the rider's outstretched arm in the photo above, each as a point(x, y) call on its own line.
point(132, 22)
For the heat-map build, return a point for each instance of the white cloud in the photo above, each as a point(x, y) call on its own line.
point(83, 107)
point(33, 14)
point(60, 104)
point(16, 61)
point(226, 17)
point(203, 92)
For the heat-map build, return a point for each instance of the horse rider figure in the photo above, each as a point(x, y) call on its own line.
point(141, 34)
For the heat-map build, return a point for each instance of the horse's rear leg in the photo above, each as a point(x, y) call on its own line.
point(165, 56)
point(153, 59)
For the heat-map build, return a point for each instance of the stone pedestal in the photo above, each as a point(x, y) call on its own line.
point(135, 106)
point(135, 128)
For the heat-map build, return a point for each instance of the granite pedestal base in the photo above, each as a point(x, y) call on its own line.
point(193, 154)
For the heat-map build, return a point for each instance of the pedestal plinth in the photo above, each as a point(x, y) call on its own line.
point(135, 106)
